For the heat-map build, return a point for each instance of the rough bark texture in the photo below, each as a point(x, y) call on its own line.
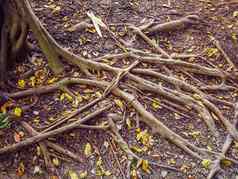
point(14, 32)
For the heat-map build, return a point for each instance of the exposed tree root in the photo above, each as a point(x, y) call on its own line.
point(124, 146)
point(147, 117)
point(217, 163)
point(173, 25)
point(52, 145)
point(181, 97)
point(43, 136)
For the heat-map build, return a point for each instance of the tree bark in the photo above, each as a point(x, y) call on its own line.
point(13, 35)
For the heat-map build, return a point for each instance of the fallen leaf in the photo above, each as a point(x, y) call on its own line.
point(96, 22)
point(145, 166)
point(212, 52)
point(206, 163)
point(17, 111)
point(21, 83)
point(88, 150)
point(72, 174)
point(21, 169)
point(17, 137)
point(134, 174)
point(156, 104)
point(226, 163)
point(56, 162)
point(119, 103)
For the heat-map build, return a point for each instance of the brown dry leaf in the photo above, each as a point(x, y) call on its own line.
point(17, 137)
point(21, 169)
point(134, 174)
point(54, 177)
point(226, 163)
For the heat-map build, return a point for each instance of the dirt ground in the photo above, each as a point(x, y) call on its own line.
point(218, 20)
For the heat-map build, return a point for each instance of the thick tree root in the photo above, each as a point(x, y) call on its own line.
point(43, 136)
point(52, 145)
point(124, 146)
point(217, 163)
point(147, 117)
point(179, 24)
point(184, 96)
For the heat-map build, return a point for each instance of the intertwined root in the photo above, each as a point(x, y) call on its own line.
point(183, 94)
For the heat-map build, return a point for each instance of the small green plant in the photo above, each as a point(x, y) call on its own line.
point(4, 121)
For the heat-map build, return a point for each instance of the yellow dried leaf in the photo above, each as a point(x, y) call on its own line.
point(145, 166)
point(52, 80)
point(134, 174)
point(107, 173)
point(91, 30)
point(72, 174)
point(172, 161)
point(83, 175)
point(137, 149)
point(211, 52)
point(144, 137)
point(68, 97)
point(206, 163)
point(17, 111)
point(235, 14)
point(195, 134)
point(156, 104)
point(88, 150)
point(56, 162)
point(32, 81)
point(119, 103)
point(128, 123)
point(21, 83)
point(38, 151)
point(98, 94)
point(197, 96)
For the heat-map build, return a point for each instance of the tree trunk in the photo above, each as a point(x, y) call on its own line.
point(13, 36)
